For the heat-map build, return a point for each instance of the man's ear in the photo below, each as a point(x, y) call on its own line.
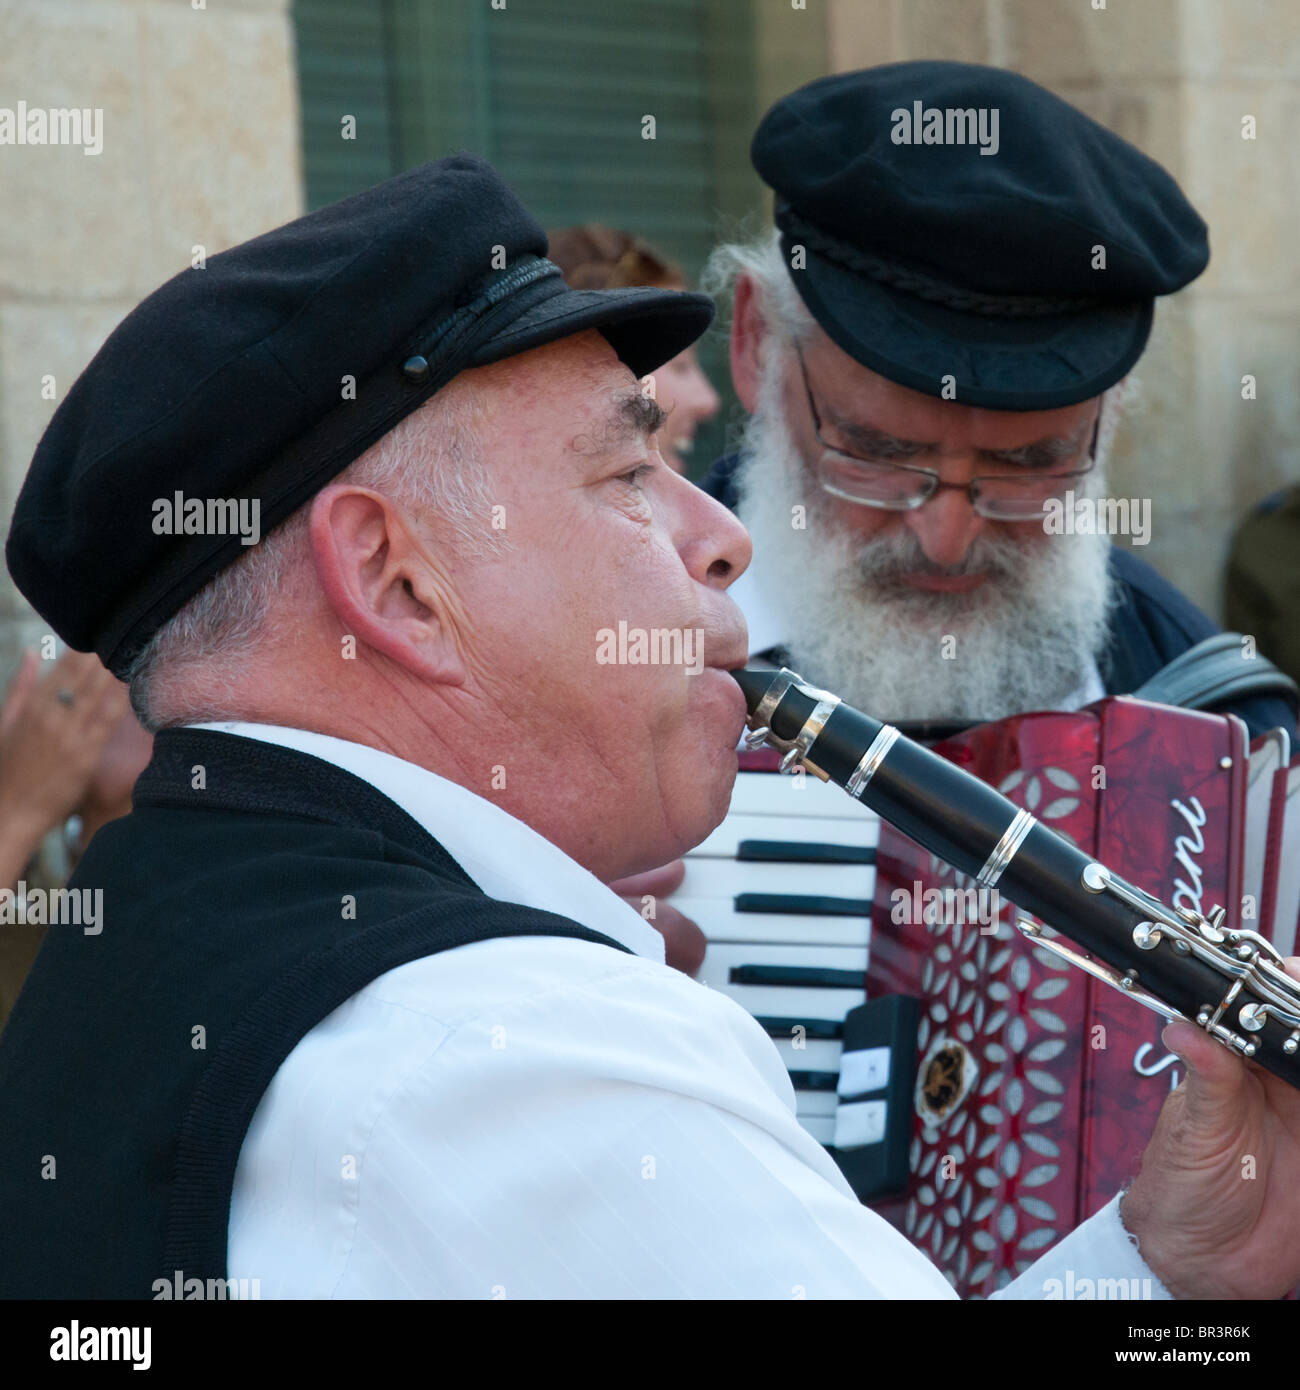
point(747, 329)
point(384, 588)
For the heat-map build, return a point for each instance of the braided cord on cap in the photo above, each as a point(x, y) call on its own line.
point(923, 286)
point(448, 337)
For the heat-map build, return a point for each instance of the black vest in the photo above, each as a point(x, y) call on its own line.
point(252, 890)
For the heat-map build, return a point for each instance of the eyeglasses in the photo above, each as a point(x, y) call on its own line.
point(901, 487)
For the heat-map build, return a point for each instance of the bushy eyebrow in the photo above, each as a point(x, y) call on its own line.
point(634, 416)
point(1042, 453)
point(1039, 453)
point(872, 440)
point(638, 416)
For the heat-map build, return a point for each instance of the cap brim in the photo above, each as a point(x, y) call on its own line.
point(1039, 363)
point(646, 327)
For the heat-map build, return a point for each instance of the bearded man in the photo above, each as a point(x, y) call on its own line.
point(934, 343)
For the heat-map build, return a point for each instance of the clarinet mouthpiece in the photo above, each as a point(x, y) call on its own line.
point(753, 684)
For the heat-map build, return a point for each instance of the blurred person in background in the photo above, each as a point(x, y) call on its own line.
point(69, 746)
point(1263, 580)
point(595, 257)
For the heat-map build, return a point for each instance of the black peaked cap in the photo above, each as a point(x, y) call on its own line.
point(928, 258)
point(230, 382)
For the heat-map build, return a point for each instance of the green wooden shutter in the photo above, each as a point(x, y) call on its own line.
point(553, 93)
point(345, 69)
point(569, 92)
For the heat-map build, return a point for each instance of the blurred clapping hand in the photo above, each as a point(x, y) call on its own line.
point(68, 743)
point(53, 731)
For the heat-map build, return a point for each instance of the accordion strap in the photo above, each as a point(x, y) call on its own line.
point(1214, 671)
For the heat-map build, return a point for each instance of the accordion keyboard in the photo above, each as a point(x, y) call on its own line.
point(782, 891)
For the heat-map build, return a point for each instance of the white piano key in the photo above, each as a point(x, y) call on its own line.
point(817, 1054)
point(864, 1069)
point(772, 794)
point(724, 878)
point(785, 1000)
point(859, 1124)
point(793, 999)
point(719, 921)
point(814, 1103)
point(831, 830)
point(722, 956)
point(821, 1127)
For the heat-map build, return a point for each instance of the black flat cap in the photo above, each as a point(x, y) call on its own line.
point(232, 383)
point(951, 216)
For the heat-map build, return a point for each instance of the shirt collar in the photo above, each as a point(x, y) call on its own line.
point(508, 860)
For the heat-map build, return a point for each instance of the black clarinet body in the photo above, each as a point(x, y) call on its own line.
point(1230, 983)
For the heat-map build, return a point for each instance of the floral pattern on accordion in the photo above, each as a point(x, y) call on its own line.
point(1028, 1110)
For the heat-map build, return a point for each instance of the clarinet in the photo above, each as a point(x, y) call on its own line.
point(1231, 983)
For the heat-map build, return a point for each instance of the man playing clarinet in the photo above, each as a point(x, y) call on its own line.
point(363, 1019)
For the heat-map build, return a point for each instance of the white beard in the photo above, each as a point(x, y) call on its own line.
point(1023, 640)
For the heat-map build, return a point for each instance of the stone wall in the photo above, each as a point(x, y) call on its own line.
point(200, 147)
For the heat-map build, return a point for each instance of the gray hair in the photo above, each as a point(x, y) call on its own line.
point(431, 461)
point(786, 314)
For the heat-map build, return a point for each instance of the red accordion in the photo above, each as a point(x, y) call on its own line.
point(1038, 1086)
point(1029, 1090)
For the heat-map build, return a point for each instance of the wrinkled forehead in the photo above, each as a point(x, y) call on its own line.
point(579, 374)
point(562, 407)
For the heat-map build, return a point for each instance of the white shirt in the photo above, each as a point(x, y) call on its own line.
point(542, 1117)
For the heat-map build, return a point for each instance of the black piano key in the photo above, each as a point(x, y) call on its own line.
point(802, 904)
point(816, 976)
point(797, 852)
point(815, 1080)
point(813, 1027)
